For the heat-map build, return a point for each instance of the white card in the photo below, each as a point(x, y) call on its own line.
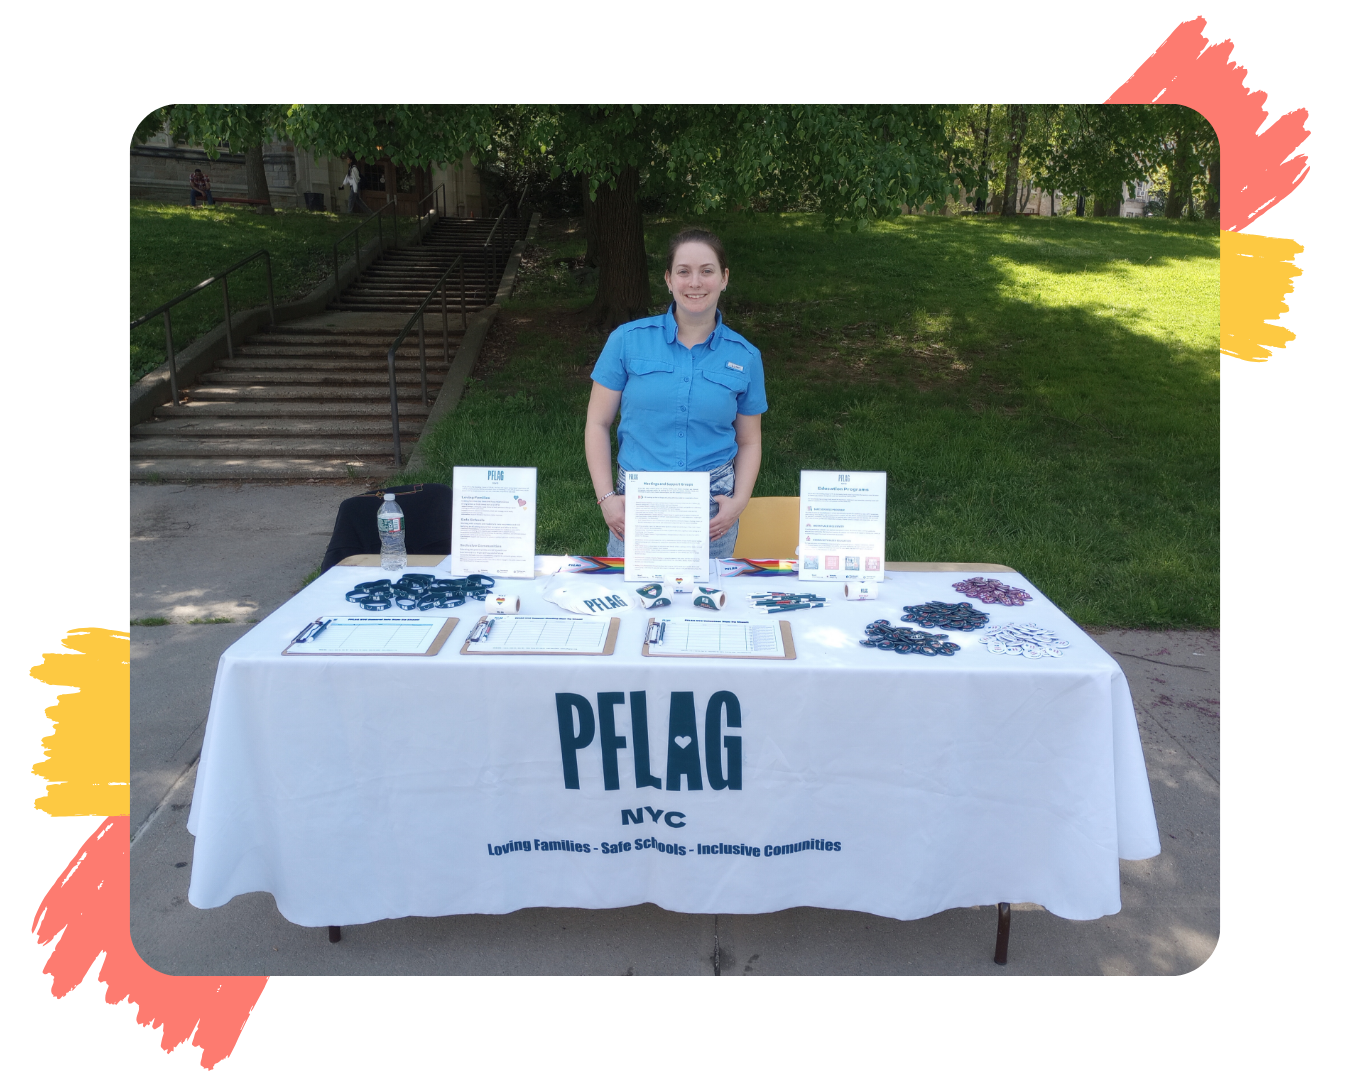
point(665, 526)
point(492, 528)
point(843, 526)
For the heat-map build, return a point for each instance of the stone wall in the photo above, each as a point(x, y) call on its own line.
point(160, 170)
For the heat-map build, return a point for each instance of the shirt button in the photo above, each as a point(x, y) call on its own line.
point(679, 435)
point(681, 408)
point(686, 380)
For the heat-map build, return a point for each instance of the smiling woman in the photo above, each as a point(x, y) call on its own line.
point(691, 391)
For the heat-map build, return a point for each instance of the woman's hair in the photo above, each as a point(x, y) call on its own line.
point(696, 236)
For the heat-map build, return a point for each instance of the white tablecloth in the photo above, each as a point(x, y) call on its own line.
point(363, 788)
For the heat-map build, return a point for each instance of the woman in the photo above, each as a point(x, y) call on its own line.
point(353, 181)
point(691, 391)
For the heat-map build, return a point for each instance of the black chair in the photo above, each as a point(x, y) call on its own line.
point(426, 516)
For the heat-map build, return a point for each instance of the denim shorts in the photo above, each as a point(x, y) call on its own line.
point(720, 482)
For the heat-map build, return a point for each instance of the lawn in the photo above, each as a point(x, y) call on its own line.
point(173, 247)
point(1040, 392)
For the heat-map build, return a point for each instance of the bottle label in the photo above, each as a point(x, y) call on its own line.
point(390, 524)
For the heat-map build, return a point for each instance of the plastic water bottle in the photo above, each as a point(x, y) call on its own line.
point(393, 537)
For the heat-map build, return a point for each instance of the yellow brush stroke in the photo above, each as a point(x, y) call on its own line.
point(1256, 273)
point(89, 755)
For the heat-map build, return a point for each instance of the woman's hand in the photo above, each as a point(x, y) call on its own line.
point(730, 508)
point(612, 508)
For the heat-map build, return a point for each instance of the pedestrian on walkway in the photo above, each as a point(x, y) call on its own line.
point(200, 184)
point(353, 181)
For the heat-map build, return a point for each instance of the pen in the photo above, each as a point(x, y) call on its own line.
point(662, 635)
point(322, 627)
point(487, 629)
point(301, 636)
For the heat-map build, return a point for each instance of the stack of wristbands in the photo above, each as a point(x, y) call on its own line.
point(420, 592)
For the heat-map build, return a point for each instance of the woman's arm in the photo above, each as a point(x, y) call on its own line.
point(748, 455)
point(600, 413)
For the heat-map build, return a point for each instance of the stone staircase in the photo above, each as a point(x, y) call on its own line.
point(309, 399)
point(400, 279)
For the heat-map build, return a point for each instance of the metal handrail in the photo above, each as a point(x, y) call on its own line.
point(377, 216)
point(490, 251)
point(419, 316)
point(437, 205)
point(223, 278)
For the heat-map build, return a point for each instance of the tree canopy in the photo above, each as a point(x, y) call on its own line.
point(852, 163)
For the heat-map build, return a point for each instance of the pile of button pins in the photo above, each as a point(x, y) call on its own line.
point(420, 592)
point(937, 615)
point(1023, 639)
point(992, 591)
point(901, 639)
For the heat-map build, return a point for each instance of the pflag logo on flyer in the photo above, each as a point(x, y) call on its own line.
point(579, 722)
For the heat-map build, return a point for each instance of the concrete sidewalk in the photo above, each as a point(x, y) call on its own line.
point(240, 551)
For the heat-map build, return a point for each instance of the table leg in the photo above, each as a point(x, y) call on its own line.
point(1004, 927)
point(335, 935)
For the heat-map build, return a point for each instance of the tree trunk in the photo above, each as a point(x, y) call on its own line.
point(624, 292)
point(1179, 176)
point(984, 162)
point(390, 181)
point(1017, 129)
point(588, 222)
point(1052, 202)
point(1212, 192)
point(1080, 205)
point(255, 178)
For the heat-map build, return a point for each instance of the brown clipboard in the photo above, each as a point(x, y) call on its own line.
point(608, 650)
point(442, 636)
point(789, 651)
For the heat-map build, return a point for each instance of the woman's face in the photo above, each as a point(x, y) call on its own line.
point(695, 280)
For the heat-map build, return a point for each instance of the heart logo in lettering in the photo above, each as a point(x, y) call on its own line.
point(683, 741)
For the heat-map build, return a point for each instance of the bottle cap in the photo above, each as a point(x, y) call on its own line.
point(388, 496)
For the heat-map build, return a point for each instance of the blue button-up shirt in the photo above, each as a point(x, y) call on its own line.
point(679, 405)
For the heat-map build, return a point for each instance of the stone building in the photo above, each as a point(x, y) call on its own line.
point(160, 169)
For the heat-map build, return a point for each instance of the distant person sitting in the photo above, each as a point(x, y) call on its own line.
point(200, 184)
point(353, 181)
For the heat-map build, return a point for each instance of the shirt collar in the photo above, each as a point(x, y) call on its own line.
point(671, 329)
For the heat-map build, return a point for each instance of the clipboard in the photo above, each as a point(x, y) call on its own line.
point(784, 627)
point(442, 636)
point(608, 650)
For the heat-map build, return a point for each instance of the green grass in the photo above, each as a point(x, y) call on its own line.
point(208, 622)
point(311, 577)
point(151, 620)
point(175, 247)
point(1041, 392)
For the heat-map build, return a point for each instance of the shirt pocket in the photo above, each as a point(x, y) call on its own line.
point(735, 381)
point(649, 365)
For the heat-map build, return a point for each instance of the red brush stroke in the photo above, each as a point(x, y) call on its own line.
point(91, 902)
point(1187, 70)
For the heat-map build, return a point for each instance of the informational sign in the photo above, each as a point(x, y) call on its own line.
point(665, 526)
point(843, 526)
point(492, 531)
